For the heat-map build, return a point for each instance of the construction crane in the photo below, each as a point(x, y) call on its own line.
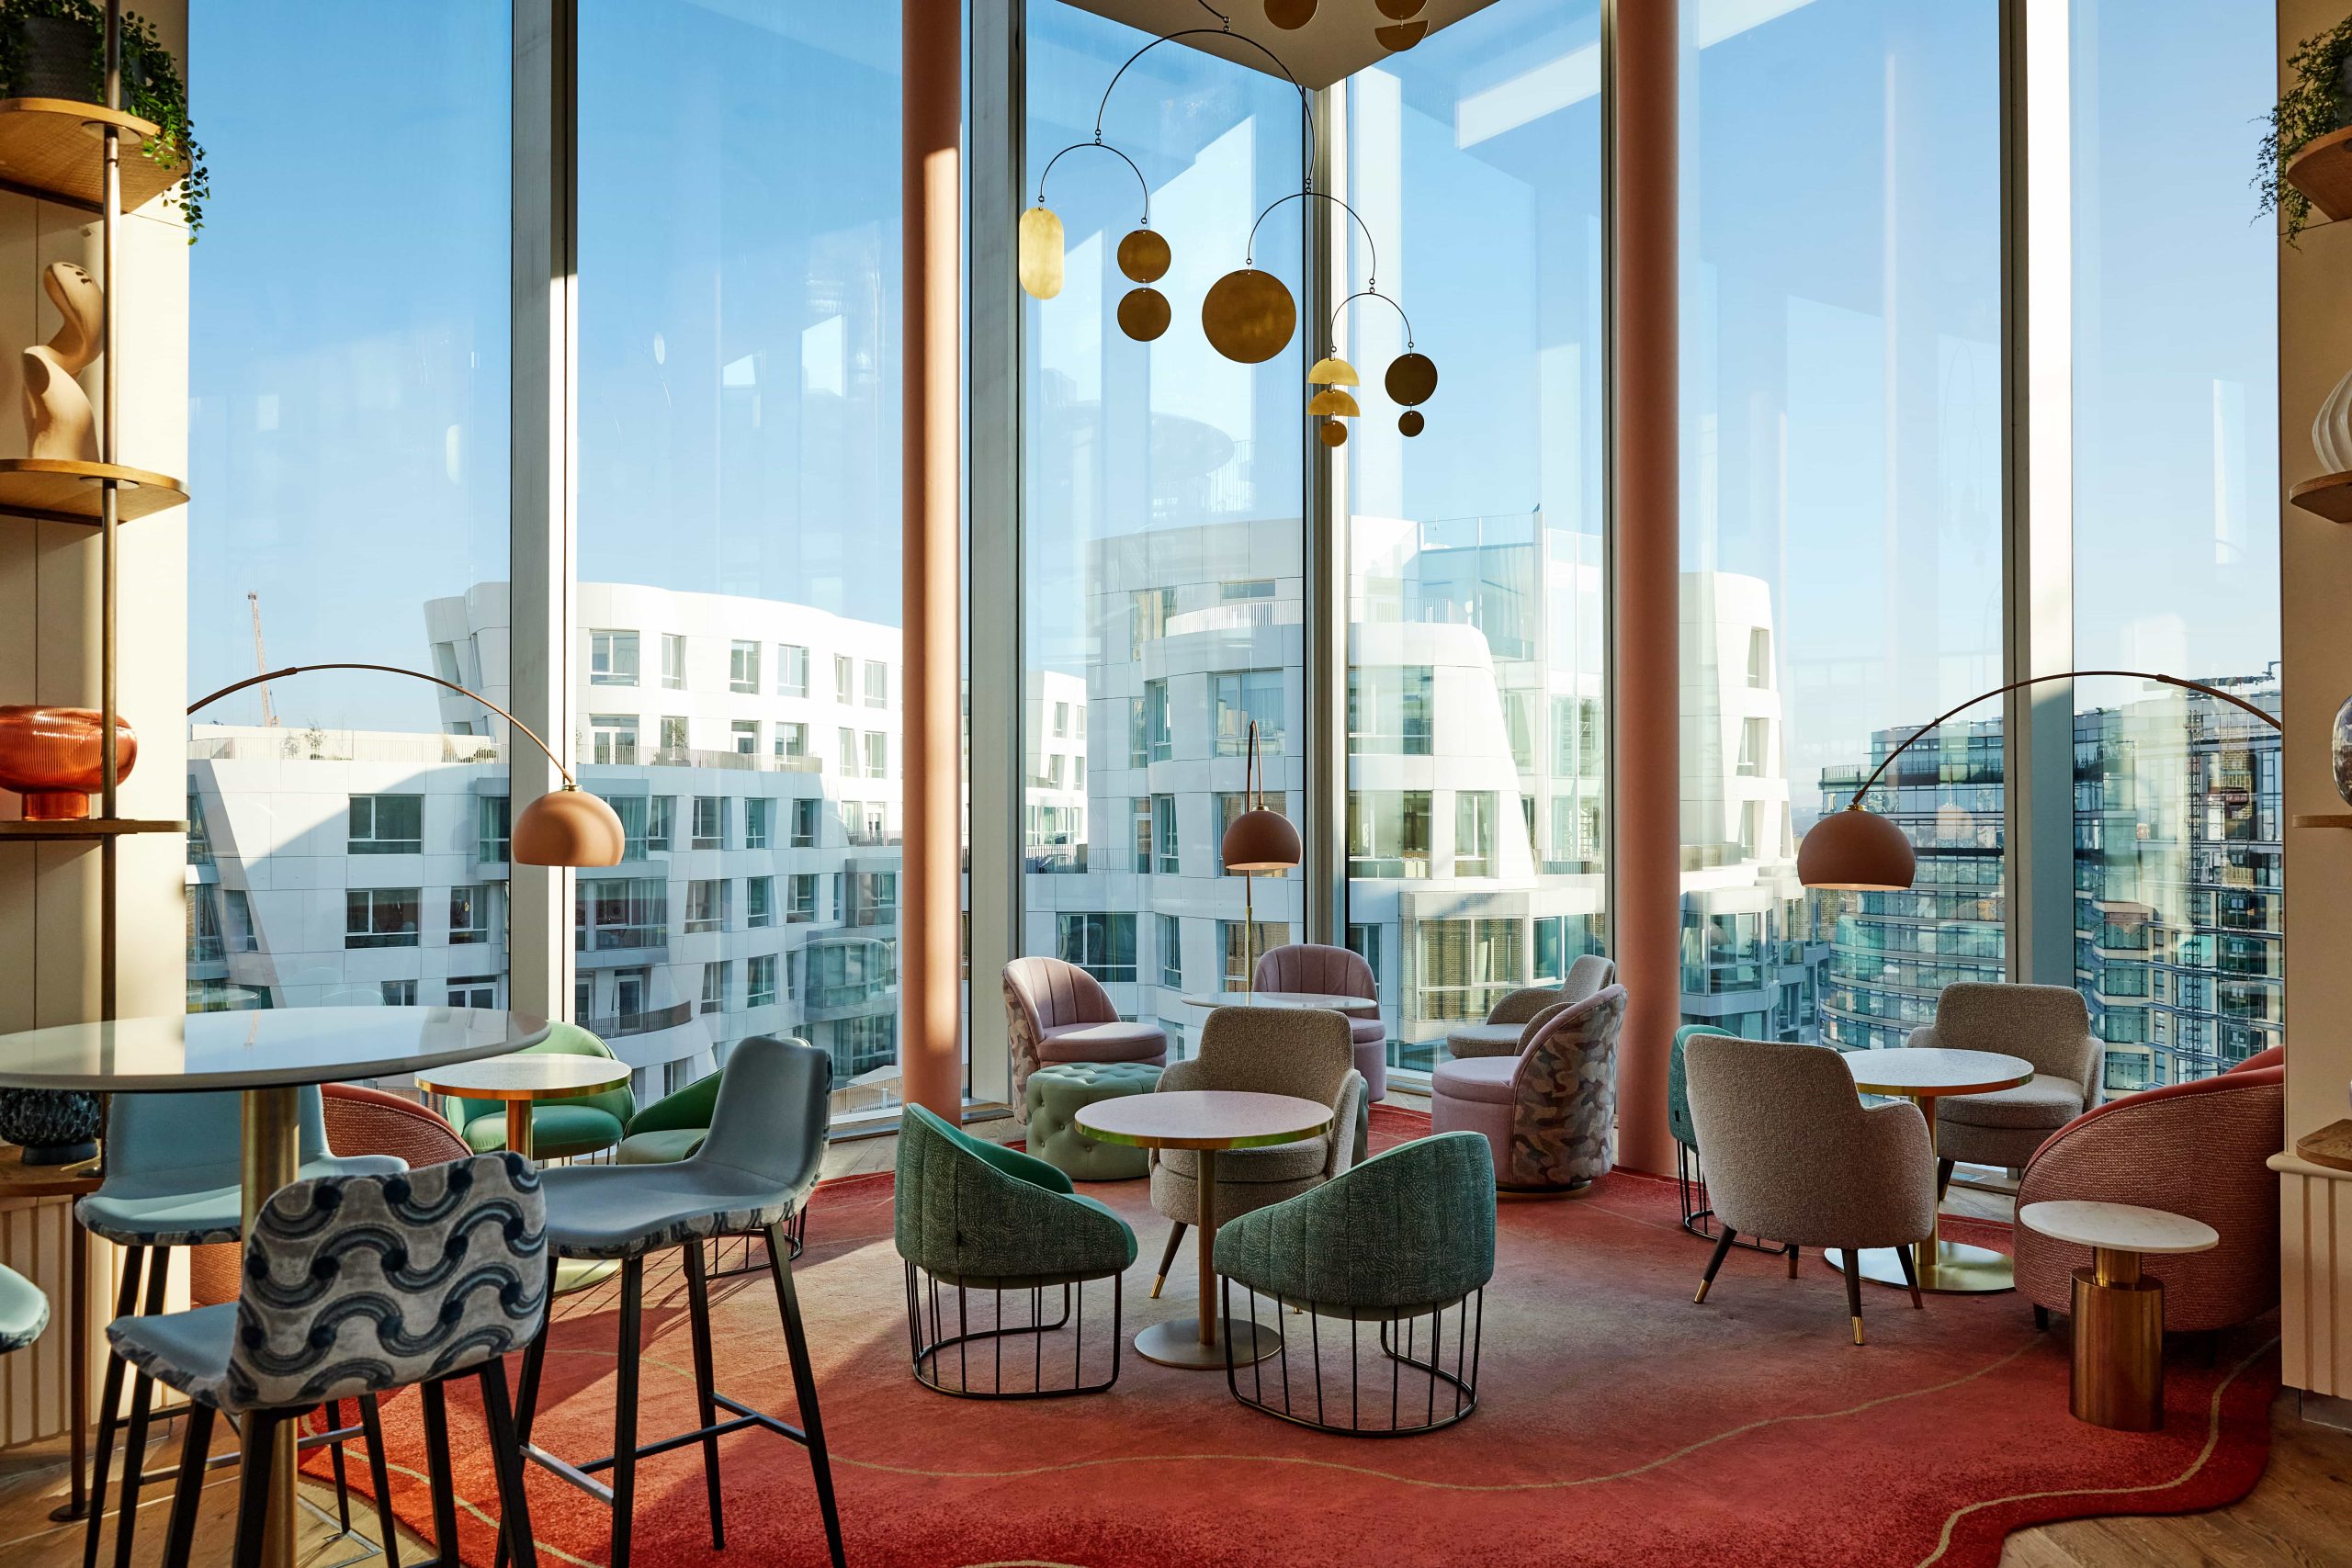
point(261, 664)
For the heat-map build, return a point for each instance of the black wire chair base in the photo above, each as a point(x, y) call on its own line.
point(1697, 1218)
point(1325, 1386)
point(947, 1362)
point(749, 1248)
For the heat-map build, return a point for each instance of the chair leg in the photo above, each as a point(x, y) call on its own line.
point(134, 1463)
point(1793, 1250)
point(258, 1437)
point(1723, 1250)
point(706, 1386)
point(342, 1482)
point(2041, 1319)
point(188, 1492)
point(507, 1458)
point(1943, 1179)
point(1168, 1258)
point(1854, 1290)
point(804, 1381)
point(625, 1416)
point(526, 1404)
point(1910, 1276)
point(379, 1476)
point(439, 1478)
point(126, 1302)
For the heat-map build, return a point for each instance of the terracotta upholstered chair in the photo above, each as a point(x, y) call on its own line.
point(1549, 1111)
point(2192, 1149)
point(1508, 1027)
point(1337, 972)
point(2049, 1026)
point(1794, 1154)
point(1057, 1012)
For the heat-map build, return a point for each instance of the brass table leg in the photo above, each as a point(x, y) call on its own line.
point(1945, 1267)
point(2119, 1361)
point(518, 1127)
point(272, 1157)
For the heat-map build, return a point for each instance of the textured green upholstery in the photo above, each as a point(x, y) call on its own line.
point(660, 1148)
point(560, 1128)
point(1059, 1091)
point(672, 1127)
point(1678, 1092)
point(1404, 1231)
point(973, 1213)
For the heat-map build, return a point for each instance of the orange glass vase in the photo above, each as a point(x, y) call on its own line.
point(50, 756)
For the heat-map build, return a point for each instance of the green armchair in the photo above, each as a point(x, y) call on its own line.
point(1404, 1241)
point(985, 1233)
point(560, 1129)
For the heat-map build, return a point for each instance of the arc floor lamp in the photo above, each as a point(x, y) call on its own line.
point(1859, 850)
point(565, 827)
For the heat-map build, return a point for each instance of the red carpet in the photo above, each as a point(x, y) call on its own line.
point(1619, 1425)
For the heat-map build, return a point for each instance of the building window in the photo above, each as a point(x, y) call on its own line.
point(1388, 709)
point(1101, 944)
point(1141, 808)
point(878, 754)
point(803, 909)
point(805, 818)
point(844, 679)
point(1061, 721)
point(380, 916)
point(491, 835)
point(615, 912)
point(759, 901)
point(1160, 742)
point(1164, 835)
point(631, 810)
point(1363, 941)
point(397, 993)
point(475, 991)
point(674, 741)
point(469, 915)
point(877, 684)
point(661, 822)
point(1473, 833)
point(744, 668)
point(745, 733)
point(1465, 967)
point(612, 738)
point(1172, 951)
point(792, 739)
point(1240, 697)
point(759, 981)
point(387, 824)
point(673, 661)
point(1759, 658)
point(716, 978)
point(1755, 747)
point(1243, 945)
point(871, 898)
point(845, 749)
point(706, 906)
point(710, 822)
point(612, 659)
point(791, 670)
point(238, 932)
point(1256, 588)
point(759, 816)
point(1388, 833)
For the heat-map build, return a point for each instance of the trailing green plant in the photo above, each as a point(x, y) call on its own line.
point(152, 89)
point(2317, 104)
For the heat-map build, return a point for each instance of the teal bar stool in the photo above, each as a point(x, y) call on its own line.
point(24, 1311)
point(671, 1129)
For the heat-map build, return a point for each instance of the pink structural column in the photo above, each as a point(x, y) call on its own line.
point(930, 964)
point(1646, 714)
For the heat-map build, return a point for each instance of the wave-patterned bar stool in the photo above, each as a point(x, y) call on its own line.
point(976, 1220)
point(768, 1126)
point(1404, 1242)
point(353, 1286)
point(174, 1178)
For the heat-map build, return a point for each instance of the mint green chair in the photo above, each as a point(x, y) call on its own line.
point(560, 1129)
point(983, 1229)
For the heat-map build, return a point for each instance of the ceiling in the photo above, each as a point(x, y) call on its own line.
point(1338, 43)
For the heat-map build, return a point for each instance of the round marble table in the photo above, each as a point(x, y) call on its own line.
point(2118, 1314)
point(1923, 1077)
point(266, 1055)
point(1326, 1000)
point(522, 1079)
point(1205, 1121)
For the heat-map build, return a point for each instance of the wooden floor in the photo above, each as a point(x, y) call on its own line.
point(2299, 1515)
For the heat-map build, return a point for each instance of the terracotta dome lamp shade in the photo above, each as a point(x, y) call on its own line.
point(1261, 841)
point(563, 826)
point(1858, 850)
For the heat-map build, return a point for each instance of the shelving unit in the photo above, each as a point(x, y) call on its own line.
point(2328, 496)
point(49, 148)
point(57, 490)
point(2323, 171)
point(87, 829)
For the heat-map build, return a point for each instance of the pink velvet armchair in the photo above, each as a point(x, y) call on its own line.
point(1057, 1012)
point(2192, 1149)
point(1335, 972)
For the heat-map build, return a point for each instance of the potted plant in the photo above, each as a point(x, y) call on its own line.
point(57, 49)
point(2318, 102)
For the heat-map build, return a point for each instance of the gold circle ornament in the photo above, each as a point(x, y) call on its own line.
point(1143, 255)
point(1143, 313)
point(1335, 403)
point(1401, 36)
point(1401, 10)
point(1333, 432)
point(1290, 14)
point(1248, 316)
point(1412, 379)
point(1333, 371)
point(1410, 422)
point(1041, 253)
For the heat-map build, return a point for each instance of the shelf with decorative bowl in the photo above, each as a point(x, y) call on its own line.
point(2323, 171)
point(57, 490)
point(87, 829)
point(49, 148)
point(2329, 496)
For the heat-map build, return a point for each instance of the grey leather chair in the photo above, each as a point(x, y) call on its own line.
point(1512, 1022)
point(2049, 1026)
point(756, 1167)
point(1794, 1154)
point(353, 1286)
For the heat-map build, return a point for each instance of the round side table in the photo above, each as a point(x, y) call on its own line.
point(2119, 1313)
point(522, 1079)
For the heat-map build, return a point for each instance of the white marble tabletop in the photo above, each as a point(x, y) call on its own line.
point(260, 1048)
point(1324, 1000)
point(2119, 1227)
point(1927, 1071)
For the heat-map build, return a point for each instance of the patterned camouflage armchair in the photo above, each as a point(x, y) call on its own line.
point(1549, 1111)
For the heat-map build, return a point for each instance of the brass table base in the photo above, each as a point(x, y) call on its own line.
point(1177, 1342)
point(1955, 1269)
point(2119, 1362)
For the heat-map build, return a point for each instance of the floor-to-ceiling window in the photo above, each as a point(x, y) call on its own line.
point(347, 372)
point(1476, 823)
point(1841, 501)
point(1162, 553)
point(736, 624)
point(2177, 824)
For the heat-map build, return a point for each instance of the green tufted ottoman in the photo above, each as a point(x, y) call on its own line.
point(1058, 1091)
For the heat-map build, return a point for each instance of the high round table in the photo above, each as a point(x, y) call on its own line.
point(1326, 1000)
point(1204, 1120)
point(266, 1055)
point(1924, 1076)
